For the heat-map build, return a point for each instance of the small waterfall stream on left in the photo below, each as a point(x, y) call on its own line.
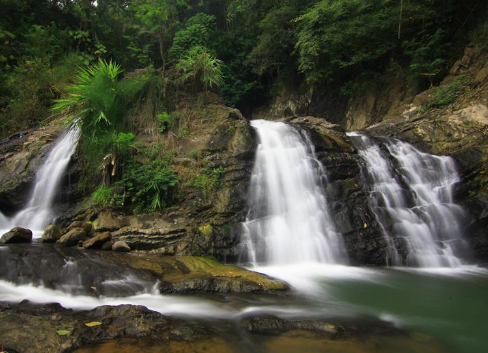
point(37, 214)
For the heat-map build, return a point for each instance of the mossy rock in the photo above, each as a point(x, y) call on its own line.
point(206, 230)
point(215, 269)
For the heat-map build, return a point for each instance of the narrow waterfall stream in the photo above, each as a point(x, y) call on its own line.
point(288, 220)
point(412, 198)
point(38, 214)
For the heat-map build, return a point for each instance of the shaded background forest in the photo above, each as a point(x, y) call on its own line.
point(333, 45)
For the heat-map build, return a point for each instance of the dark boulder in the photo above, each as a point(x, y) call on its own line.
point(51, 234)
point(17, 235)
point(73, 237)
point(272, 324)
point(120, 246)
point(86, 226)
point(73, 270)
point(107, 246)
point(97, 241)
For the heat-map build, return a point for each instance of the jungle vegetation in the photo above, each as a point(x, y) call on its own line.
point(96, 62)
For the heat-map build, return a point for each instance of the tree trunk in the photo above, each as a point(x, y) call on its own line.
point(161, 49)
point(400, 20)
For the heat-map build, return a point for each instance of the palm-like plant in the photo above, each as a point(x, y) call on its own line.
point(94, 100)
point(97, 102)
point(200, 65)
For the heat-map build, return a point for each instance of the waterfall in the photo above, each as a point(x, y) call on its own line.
point(288, 219)
point(38, 214)
point(412, 199)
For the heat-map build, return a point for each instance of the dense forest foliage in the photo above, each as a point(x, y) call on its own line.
point(252, 44)
point(99, 61)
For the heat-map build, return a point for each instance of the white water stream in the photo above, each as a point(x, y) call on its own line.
point(38, 213)
point(288, 219)
point(412, 197)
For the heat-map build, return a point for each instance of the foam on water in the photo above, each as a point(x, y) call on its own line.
point(308, 277)
point(464, 271)
point(153, 301)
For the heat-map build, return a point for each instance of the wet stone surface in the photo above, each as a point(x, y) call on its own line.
point(94, 273)
point(51, 328)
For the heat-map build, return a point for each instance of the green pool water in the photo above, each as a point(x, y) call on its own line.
point(450, 305)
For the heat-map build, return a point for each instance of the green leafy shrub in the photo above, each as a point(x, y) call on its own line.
point(103, 196)
point(6, 54)
point(209, 180)
point(166, 121)
point(99, 100)
point(147, 186)
point(200, 66)
point(241, 84)
point(428, 55)
point(337, 36)
point(480, 34)
point(195, 154)
point(30, 89)
point(276, 42)
point(47, 42)
point(338, 39)
point(64, 72)
point(445, 95)
point(196, 33)
point(122, 144)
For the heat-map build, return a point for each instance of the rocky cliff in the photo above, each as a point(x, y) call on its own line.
point(213, 148)
point(346, 194)
point(450, 119)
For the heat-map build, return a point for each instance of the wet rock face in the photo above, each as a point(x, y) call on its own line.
point(458, 129)
point(205, 220)
point(71, 270)
point(275, 325)
point(345, 192)
point(86, 226)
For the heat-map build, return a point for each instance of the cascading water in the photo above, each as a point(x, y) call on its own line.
point(38, 214)
point(288, 220)
point(413, 200)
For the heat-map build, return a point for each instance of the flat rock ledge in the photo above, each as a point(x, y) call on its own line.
point(98, 272)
